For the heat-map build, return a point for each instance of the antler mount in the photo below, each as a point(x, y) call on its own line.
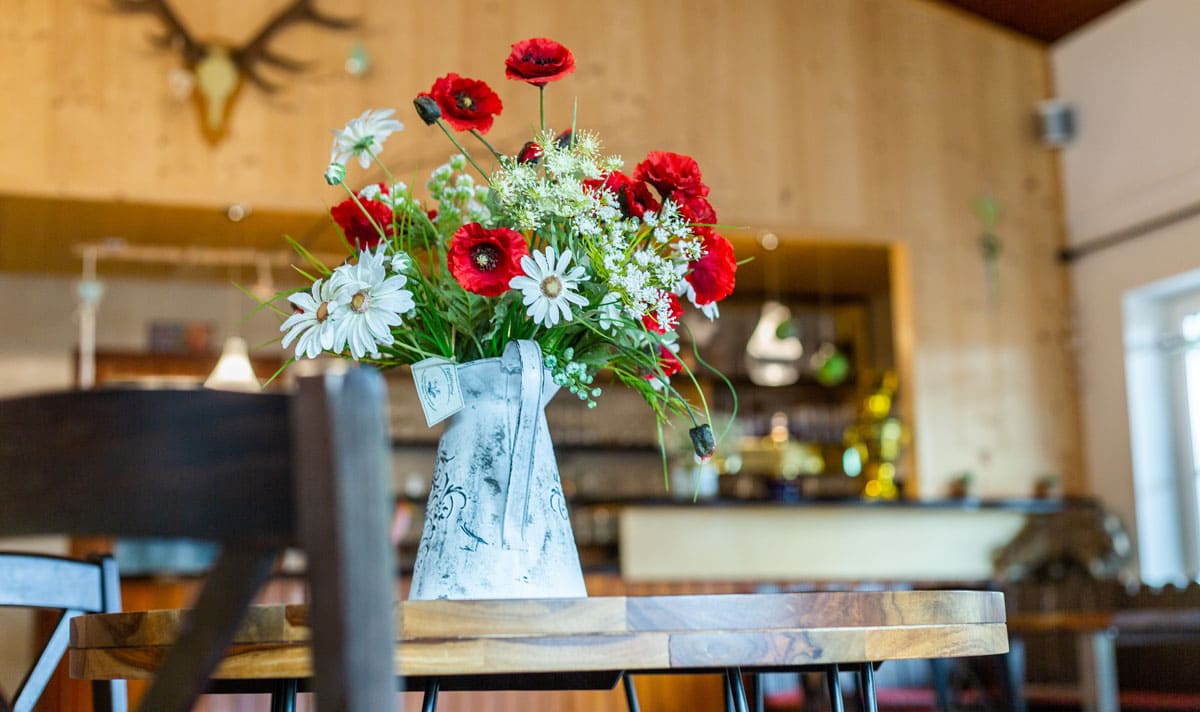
point(220, 69)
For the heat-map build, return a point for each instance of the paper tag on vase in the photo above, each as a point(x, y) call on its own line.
point(436, 380)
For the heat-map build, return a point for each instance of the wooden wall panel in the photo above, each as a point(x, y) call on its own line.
point(857, 120)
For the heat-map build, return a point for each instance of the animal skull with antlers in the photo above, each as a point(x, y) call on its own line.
point(219, 69)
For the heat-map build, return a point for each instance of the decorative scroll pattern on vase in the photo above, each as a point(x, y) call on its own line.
point(497, 524)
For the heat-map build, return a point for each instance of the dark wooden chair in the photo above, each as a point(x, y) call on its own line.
point(74, 587)
point(255, 472)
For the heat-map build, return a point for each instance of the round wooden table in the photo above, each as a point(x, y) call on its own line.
point(537, 644)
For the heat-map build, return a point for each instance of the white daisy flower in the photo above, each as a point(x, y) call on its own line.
point(548, 288)
point(373, 303)
point(315, 325)
point(363, 137)
point(611, 312)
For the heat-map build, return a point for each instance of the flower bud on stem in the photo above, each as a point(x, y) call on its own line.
point(703, 441)
point(427, 109)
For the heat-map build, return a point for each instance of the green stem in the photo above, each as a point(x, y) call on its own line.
point(463, 151)
point(496, 154)
point(542, 105)
point(386, 173)
point(363, 208)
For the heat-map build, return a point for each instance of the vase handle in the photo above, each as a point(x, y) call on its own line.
point(523, 362)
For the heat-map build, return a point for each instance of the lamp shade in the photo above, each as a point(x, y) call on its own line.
point(233, 371)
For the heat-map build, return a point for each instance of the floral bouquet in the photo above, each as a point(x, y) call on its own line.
point(553, 244)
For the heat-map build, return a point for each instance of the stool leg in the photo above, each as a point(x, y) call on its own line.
point(631, 699)
point(1013, 675)
point(283, 697)
point(835, 689)
point(735, 691)
point(429, 703)
point(866, 685)
point(1096, 655)
point(941, 683)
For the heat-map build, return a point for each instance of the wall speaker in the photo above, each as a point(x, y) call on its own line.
point(1056, 123)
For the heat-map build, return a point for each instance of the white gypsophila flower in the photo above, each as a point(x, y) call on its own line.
point(548, 287)
point(373, 303)
point(664, 313)
point(373, 191)
point(397, 197)
point(315, 325)
point(587, 144)
point(363, 137)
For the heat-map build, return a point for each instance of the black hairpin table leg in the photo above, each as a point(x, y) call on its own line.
point(835, 689)
point(759, 701)
point(631, 699)
point(866, 686)
point(735, 691)
point(941, 683)
point(429, 702)
point(283, 697)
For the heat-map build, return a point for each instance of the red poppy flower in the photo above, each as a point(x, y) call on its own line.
point(698, 210)
point(357, 225)
point(466, 103)
point(673, 175)
point(712, 276)
point(538, 61)
point(668, 362)
point(650, 321)
point(483, 261)
point(635, 196)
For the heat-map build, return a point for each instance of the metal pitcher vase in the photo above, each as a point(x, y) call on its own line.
point(496, 525)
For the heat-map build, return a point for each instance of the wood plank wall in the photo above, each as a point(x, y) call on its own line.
point(857, 120)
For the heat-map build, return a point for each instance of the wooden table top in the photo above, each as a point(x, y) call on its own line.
point(645, 634)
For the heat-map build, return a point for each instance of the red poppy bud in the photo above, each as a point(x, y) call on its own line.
point(427, 109)
point(703, 441)
point(530, 153)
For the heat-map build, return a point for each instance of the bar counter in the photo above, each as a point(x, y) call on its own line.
point(940, 541)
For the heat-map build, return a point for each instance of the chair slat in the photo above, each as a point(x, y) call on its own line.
point(39, 581)
point(204, 464)
point(35, 682)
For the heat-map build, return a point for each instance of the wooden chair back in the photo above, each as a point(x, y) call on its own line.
point(255, 472)
point(75, 587)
